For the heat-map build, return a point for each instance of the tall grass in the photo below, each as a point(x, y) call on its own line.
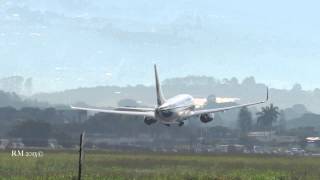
point(124, 165)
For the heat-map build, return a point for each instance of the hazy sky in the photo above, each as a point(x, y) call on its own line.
point(277, 42)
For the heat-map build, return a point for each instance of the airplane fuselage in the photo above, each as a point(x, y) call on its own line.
point(175, 110)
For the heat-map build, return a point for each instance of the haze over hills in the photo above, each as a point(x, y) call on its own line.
point(140, 95)
point(81, 43)
point(200, 87)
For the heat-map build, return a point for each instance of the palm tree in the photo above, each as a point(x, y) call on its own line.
point(267, 116)
point(244, 120)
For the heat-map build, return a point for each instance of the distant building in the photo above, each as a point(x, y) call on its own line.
point(231, 148)
point(53, 144)
point(15, 144)
point(4, 143)
point(12, 84)
point(265, 136)
point(17, 84)
point(126, 141)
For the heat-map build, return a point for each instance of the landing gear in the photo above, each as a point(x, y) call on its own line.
point(181, 124)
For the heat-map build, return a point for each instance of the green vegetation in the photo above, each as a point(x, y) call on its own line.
point(138, 165)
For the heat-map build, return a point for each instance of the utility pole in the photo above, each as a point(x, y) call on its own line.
point(81, 155)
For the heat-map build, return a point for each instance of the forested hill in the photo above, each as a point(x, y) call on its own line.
point(199, 86)
point(8, 99)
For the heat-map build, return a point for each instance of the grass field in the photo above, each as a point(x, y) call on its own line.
point(125, 165)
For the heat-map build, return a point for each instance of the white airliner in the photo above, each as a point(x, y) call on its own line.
point(172, 111)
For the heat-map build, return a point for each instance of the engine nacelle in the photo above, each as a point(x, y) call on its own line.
point(149, 121)
point(205, 118)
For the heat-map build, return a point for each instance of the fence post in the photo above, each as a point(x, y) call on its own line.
point(81, 155)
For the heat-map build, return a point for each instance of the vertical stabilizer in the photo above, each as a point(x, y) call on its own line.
point(160, 97)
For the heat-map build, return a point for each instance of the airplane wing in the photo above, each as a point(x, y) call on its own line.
point(115, 111)
point(207, 111)
point(142, 109)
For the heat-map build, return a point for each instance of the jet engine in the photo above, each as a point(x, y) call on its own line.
point(205, 118)
point(149, 120)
